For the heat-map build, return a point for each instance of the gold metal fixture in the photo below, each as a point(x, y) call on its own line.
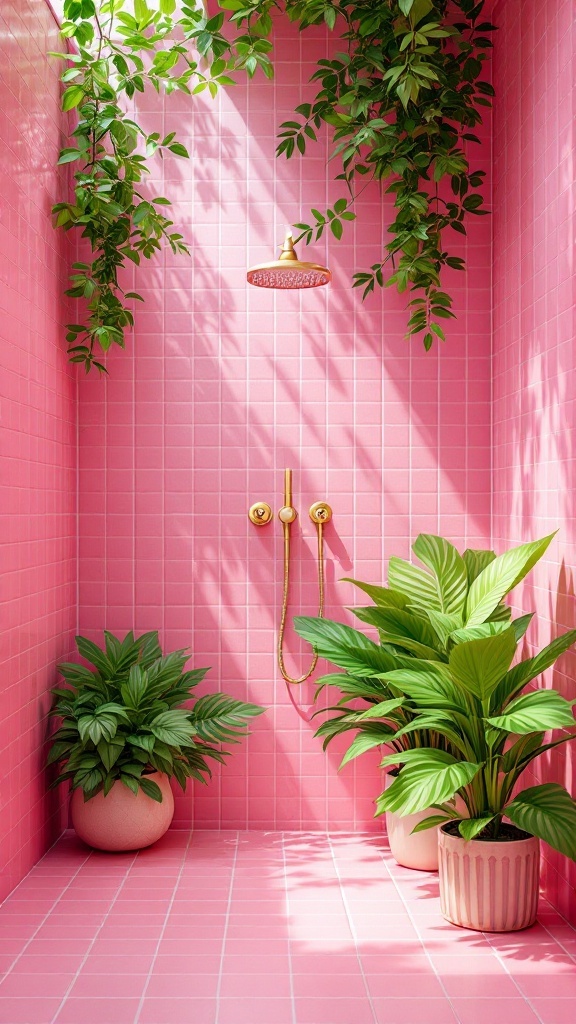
point(320, 513)
point(288, 271)
point(260, 513)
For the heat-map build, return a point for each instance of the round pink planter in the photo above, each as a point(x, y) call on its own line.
point(123, 820)
point(488, 886)
point(419, 851)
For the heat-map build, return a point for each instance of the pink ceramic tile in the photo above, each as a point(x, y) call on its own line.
point(32, 1010)
point(88, 1010)
point(554, 1011)
point(120, 984)
point(185, 985)
point(415, 1011)
point(32, 985)
point(421, 986)
point(331, 1010)
point(255, 1010)
point(178, 1011)
point(493, 1011)
point(255, 985)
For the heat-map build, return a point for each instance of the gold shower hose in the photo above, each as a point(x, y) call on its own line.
point(320, 513)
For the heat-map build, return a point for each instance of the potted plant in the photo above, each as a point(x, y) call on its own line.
point(495, 727)
point(414, 617)
point(127, 729)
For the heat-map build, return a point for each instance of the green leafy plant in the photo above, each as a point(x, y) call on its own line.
point(464, 723)
point(117, 54)
point(127, 717)
point(419, 617)
point(402, 102)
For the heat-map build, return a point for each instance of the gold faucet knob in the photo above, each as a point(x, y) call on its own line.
point(260, 513)
point(320, 512)
point(287, 514)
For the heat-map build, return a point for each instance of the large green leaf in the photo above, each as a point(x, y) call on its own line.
point(371, 736)
point(346, 647)
point(172, 727)
point(521, 625)
point(443, 625)
point(381, 710)
point(479, 665)
point(535, 712)
point(402, 629)
point(475, 560)
point(432, 778)
point(89, 650)
point(110, 750)
point(151, 788)
point(382, 596)
point(418, 586)
point(428, 684)
point(469, 828)
point(218, 718)
point(134, 689)
point(500, 577)
point(531, 668)
point(352, 686)
point(460, 636)
point(548, 812)
point(449, 570)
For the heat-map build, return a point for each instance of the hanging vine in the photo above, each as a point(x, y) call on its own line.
point(401, 101)
point(117, 54)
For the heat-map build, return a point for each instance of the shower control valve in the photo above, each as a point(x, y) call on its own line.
point(287, 514)
point(260, 513)
point(320, 512)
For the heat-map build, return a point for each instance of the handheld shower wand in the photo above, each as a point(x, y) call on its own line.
point(320, 513)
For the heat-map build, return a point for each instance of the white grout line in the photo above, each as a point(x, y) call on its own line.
point(98, 930)
point(287, 911)
point(226, 925)
point(352, 928)
point(163, 929)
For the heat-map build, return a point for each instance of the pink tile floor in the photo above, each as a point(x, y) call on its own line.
point(264, 928)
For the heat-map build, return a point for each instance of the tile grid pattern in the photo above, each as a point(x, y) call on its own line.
point(534, 330)
point(264, 928)
point(38, 431)
point(229, 385)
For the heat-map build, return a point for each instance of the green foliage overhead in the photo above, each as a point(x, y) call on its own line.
point(451, 710)
point(120, 50)
point(130, 716)
point(401, 102)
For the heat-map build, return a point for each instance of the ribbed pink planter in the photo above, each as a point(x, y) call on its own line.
point(489, 886)
point(123, 820)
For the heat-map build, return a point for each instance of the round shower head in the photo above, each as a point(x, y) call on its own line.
point(288, 271)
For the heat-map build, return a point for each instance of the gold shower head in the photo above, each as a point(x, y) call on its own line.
point(288, 271)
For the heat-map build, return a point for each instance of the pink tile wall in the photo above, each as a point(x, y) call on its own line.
point(221, 388)
point(534, 321)
point(38, 447)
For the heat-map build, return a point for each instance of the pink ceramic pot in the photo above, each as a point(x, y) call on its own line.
point(489, 886)
point(123, 820)
point(420, 850)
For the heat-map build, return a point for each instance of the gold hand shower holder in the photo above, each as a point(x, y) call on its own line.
point(320, 513)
